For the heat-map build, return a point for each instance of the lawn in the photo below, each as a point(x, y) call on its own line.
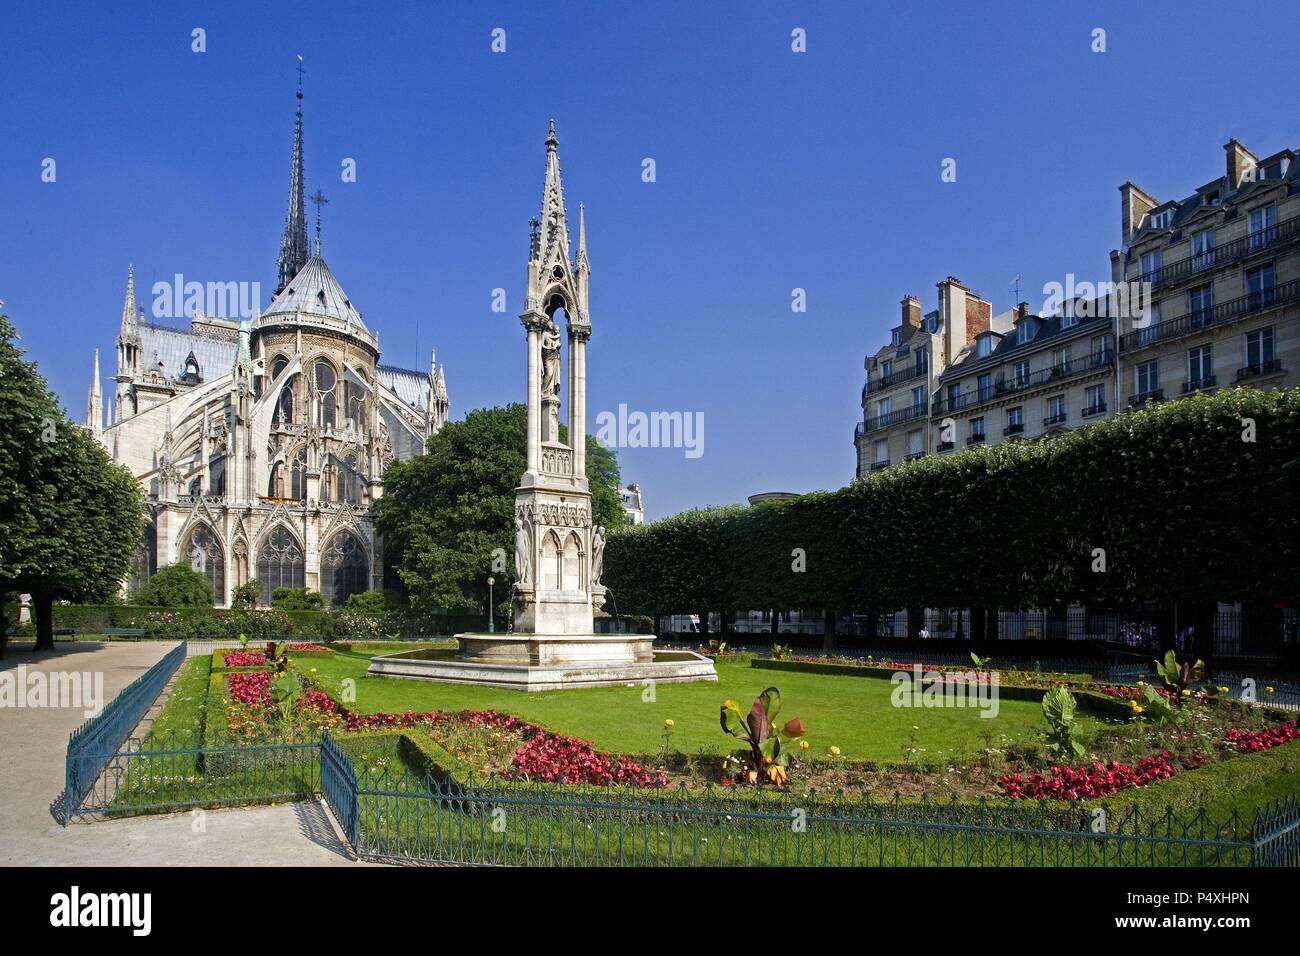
point(852, 713)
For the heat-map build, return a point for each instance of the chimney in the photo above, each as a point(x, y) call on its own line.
point(952, 312)
point(979, 315)
point(911, 315)
point(1241, 162)
point(1134, 204)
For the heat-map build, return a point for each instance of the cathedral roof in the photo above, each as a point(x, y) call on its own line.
point(165, 350)
point(411, 387)
point(315, 291)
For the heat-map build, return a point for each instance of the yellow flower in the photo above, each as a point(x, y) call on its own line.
point(1137, 710)
point(1187, 693)
point(1142, 683)
point(1268, 690)
point(803, 745)
point(668, 722)
point(835, 751)
point(914, 727)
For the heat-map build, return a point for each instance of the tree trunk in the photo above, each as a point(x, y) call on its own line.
point(873, 625)
point(704, 621)
point(1203, 616)
point(977, 628)
point(915, 621)
point(992, 635)
point(829, 628)
point(4, 623)
point(43, 610)
point(724, 622)
point(775, 627)
point(1167, 627)
point(655, 626)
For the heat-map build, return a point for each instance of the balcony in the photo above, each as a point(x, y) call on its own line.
point(879, 465)
point(1091, 410)
point(1002, 388)
point(1058, 419)
point(914, 456)
point(1197, 320)
point(976, 439)
point(1272, 367)
point(1199, 384)
point(944, 446)
point(1225, 255)
point(1141, 398)
point(1015, 429)
point(895, 378)
point(889, 419)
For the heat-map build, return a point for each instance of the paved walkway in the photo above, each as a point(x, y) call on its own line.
point(33, 742)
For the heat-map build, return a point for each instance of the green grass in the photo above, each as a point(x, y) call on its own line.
point(182, 713)
point(852, 713)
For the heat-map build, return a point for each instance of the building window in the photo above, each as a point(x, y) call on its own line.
point(954, 395)
point(1101, 349)
point(344, 569)
point(1149, 264)
point(922, 362)
point(144, 560)
point(1026, 331)
point(1015, 420)
point(915, 442)
point(985, 385)
point(1200, 366)
point(217, 475)
point(1259, 287)
point(984, 347)
point(280, 563)
point(1060, 359)
point(1095, 400)
point(918, 398)
point(1147, 377)
point(977, 429)
point(326, 380)
point(1022, 373)
point(1055, 410)
point(880, 451)
point(882, 407)
point(204, 553)
point(1202, 250)
point(298, 476)
point(1201, 305)
point(886, 370)
point(1263, 227)
point(1161, 220)
point(896, 338)
point(1259, 353)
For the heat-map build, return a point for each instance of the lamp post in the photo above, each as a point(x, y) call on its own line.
point(491, 616)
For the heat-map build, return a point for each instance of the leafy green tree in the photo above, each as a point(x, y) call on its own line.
point(245, 596)
point(176, 585)
point(444, 513)
point(70, 518)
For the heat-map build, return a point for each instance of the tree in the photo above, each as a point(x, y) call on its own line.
point(246, 595)
point(447, 516)
point(176, 585)
point(70, 519)
point(297, 599)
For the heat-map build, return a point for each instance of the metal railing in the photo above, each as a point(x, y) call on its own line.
point(1003, 387)
point(1199, 263)
point(1203, 318)
point(894, 378)
point(92, 745)
point(1260, 369)
point(878, 422)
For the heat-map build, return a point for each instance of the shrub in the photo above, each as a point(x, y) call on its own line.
point(368, 602)
point(297, 599)
point(176, 585)
point(245, 596)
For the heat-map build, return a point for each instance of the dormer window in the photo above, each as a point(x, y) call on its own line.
point(1025, 332)
point(1212, 198)
point(1162, 220)
point(896, 338)
point(192, 374)
point(984, 346)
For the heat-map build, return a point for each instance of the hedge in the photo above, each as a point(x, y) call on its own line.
point(1190, 500)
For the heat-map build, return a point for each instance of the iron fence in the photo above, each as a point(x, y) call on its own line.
point(92, 745)
point(402, 817)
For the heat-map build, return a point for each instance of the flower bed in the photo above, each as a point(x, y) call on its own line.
point(1103, 779)
point(243, 658)
point(512, 749)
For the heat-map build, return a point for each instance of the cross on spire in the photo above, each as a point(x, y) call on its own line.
point(319, 199)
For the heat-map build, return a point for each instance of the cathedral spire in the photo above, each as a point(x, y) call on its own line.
point(95, 402)
point(293, 245)
point(130, 330)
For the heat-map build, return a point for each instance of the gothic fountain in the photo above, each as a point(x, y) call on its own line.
point(558, 549)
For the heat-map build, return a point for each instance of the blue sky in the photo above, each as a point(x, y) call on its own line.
point(775, 171)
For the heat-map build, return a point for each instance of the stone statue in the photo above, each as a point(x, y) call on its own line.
point(551, 361)
point(597, 554)
point(523, 553)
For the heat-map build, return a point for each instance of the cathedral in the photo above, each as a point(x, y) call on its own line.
point(261, 445)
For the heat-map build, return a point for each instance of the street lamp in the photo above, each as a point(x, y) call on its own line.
point(491, 616)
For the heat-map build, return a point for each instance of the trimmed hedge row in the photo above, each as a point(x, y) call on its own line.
point(1188, 501)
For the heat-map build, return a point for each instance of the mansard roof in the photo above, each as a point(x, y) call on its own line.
point(164, 350)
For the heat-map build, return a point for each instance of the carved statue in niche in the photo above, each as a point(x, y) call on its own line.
point(551, 360)
point(523, 550)
point(597, 554)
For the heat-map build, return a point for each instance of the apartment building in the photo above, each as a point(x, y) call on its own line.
point(1215, 279)
point(902, 376)
point(1043, 376)
point(1223, 266)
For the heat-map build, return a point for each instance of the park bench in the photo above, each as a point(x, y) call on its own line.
point(112, 632)
point(63, 632)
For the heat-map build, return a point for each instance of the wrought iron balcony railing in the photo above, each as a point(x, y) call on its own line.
point(1198, 384)
point(889, 419)
point(1271, 367)
point(1262, 300)
point(1003, 387)
point(1227, 254)
point(894, 378)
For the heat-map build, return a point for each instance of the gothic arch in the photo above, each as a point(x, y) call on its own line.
point(281, 561)
point(201, 548)
point(571, 562)
point(345, 563)
point(552, 574)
